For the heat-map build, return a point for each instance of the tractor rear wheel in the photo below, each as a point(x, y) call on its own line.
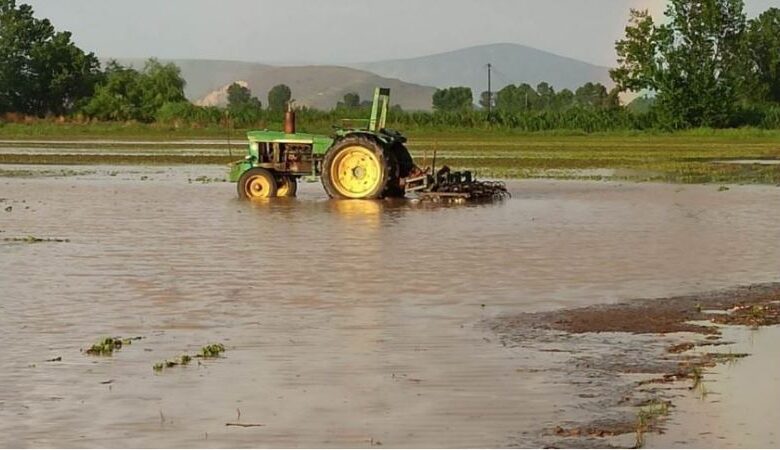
point(405, 161)
point(257, 183)
point(402, 164)
point(287, 186)
point(356, 168)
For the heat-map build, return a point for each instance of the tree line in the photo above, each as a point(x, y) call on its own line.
point(525, 98)
point(706, 65)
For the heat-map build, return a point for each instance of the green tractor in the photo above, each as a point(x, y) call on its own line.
point(368, 162)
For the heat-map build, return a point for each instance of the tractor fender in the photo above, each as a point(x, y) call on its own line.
point(378, 138)
point(239, 167)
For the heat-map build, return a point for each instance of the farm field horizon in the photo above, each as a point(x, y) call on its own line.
point(697, 156)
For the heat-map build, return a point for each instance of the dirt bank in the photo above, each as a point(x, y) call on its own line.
point(631, 357)
point(668, 315)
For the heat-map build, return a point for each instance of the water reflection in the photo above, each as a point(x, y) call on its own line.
point(366, 212)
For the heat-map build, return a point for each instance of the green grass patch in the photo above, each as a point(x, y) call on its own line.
point(693, 156)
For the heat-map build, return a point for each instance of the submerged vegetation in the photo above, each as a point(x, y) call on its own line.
point(33, 239)
point(647, 418)
point(107, 346)
point(207, 352)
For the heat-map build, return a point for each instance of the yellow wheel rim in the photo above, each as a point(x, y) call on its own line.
point(355, 172)
point(258, 186)
point(284, 188)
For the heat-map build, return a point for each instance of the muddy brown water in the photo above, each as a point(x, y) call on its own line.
point(346, 323)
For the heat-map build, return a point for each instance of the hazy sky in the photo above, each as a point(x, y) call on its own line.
point(333, 31)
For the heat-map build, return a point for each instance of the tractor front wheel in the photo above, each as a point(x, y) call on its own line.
point(257, 183)
point(355, 168)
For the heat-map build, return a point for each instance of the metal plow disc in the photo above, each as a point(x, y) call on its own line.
point(458, 187)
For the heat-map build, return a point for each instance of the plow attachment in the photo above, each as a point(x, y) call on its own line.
point(447, 185)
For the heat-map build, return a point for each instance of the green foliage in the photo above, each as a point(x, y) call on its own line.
point(186, 114)
point(41, 71)
point(118, 97)
point(278, 97)
point(764, 48)
point(243, 108)
point(695, 61)
point(525, 99)
point(351, 101)
point(160, 84)
point(209, 351)
point(240, 97)
point(546, 95)
point(641, 105)
point(453, 99)
point(212, 351)
point(486, 100)
point(127, 94)
point(517, 98)
point(107, 346)
point(563, 100)
point(595, 95)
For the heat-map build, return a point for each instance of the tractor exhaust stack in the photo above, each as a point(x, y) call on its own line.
point(289, 119)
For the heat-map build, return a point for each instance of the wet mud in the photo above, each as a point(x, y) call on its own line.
point(750, 305)
point(693, 322)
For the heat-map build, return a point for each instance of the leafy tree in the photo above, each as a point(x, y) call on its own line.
point(453, 99)
point(764, 49)
point(118, 97)
point(564, 100)
point(593, 95)
point(244, 109)
point(517, 98)
point(240, 97)
point(278, 97)
point(546, 95)
point(486, 100)
point(695, 61)
point(352, 100)
point(41, 71)
point(160, 84)
point(641, 105)
point(127, 94)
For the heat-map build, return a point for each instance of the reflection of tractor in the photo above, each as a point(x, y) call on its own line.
point(356, 163)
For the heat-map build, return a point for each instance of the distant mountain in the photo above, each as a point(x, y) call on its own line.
point(512, 64)
point(315, 86)
point(321, 86)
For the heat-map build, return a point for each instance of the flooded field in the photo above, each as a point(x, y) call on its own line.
point(351, 324)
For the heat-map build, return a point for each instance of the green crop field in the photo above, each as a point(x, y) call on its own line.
point(691, 157)
point(696, 156)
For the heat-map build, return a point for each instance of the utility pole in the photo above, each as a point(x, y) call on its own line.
point(490, 93)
